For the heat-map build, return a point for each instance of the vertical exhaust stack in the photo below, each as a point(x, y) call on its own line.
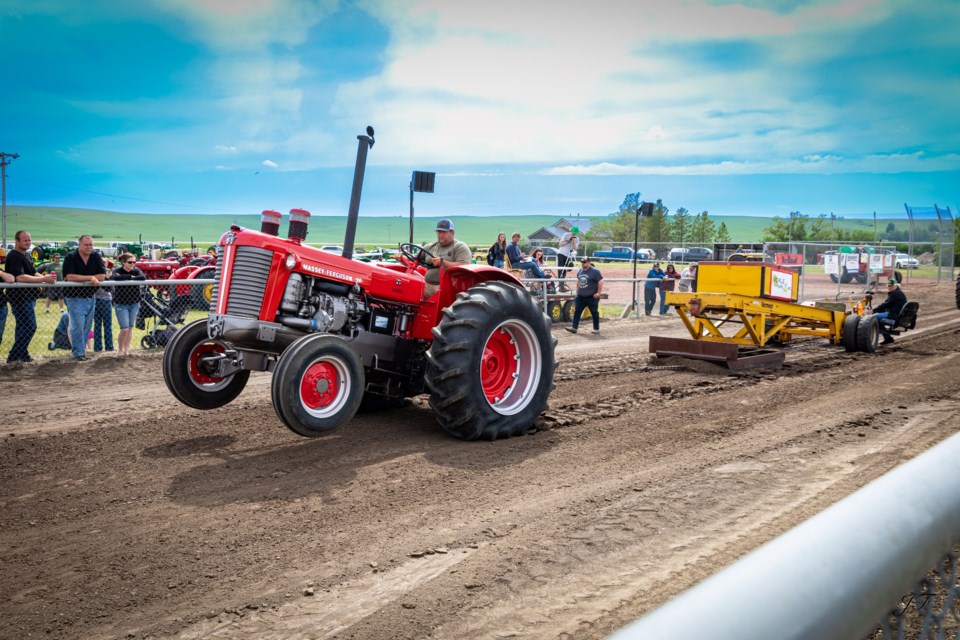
point(299, 220)
point(366, 142)
point(270, 222)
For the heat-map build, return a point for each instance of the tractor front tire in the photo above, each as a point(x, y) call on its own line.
point(850, 332)
point(317, 385)
point(490, 367)
point(185, 375)
point(868, 334)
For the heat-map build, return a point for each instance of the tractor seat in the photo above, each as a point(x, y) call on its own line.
point(908, 316)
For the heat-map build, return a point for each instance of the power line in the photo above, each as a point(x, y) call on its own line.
point(114, 195)
point(3, 198)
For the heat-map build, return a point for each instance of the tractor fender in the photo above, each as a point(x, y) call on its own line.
point(206, 271)
point(461, 277)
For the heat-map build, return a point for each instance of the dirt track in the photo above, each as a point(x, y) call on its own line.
point(126, 514)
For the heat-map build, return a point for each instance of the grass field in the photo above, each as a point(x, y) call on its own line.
point(60, 224)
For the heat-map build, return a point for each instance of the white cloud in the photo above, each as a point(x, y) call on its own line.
point(825, 164)
point(270, 163)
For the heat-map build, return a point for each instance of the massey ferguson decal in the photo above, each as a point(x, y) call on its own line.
point(331, 274)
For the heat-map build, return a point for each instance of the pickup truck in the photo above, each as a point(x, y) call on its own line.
point(690, 254)
point(621, 254)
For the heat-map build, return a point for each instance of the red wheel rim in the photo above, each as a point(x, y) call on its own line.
point(196, 374)
point(498, 368)
point(320, 386)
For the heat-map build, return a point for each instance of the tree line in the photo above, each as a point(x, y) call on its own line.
point(682, 227)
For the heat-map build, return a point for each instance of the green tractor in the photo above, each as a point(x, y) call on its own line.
point(45, 251)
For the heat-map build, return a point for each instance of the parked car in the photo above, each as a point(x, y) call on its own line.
point(332, 248)
point(616, 254)
point(689, 254)
point(905, 261)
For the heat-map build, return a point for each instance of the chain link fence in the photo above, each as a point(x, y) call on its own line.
point(39, 313)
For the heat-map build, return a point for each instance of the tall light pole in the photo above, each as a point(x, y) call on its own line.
point(5, 159)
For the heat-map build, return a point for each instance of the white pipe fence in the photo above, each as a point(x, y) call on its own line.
point(840, 574)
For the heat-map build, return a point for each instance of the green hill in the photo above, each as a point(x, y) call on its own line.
point(61, 223)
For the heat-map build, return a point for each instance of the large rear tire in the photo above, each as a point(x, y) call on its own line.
point(317, 385)
point(850, 332)
point(490, 368)
point(189, 379)
point(868, 334)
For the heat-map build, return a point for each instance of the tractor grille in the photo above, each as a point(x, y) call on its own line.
point(216, 277)
point(248, 282)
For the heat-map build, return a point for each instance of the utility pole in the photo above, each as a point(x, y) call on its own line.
point(3, 187)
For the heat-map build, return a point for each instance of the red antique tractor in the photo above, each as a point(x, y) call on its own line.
point(337, 333)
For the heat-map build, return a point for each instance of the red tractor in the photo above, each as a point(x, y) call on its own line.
point(337, 333)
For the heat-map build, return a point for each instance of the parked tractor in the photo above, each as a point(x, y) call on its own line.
point(337, 333)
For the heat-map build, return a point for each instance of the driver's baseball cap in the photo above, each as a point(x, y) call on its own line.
point(445, 224)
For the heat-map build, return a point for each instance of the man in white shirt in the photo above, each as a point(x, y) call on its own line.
point(567, 253)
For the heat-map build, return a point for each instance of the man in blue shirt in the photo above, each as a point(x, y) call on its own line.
point(517, 260)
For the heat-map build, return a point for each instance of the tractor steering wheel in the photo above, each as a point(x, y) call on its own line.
point(416, 255)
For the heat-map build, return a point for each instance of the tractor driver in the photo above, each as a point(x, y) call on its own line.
point(889, 310)
point(447, 250)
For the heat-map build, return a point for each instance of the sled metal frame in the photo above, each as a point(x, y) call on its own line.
point(755, 322)
point(708, 316)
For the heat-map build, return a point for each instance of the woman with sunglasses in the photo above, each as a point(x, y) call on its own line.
point(126, 299)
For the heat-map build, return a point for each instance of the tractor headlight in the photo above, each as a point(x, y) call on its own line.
point(290, 262)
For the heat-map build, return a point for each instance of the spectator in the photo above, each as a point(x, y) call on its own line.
point(54, 293)
point(498, 250)
point(567, 253)
point(519, 261)
point(688, 278)
point(9, 279)
point(669, 282)
point(23, 302)
point(889, 310)
point(82, 265)
point(654, 276)
point(541, 261)
point(446, 250)
point(126, 299)
point(102, 319)
point(589, 288)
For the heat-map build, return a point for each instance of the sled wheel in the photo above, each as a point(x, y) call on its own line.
point(490, 367)
point(567, 313)
point(868, 334)
point(555, 311)
point(850, 332)
point(190, 378)
point(317, 385)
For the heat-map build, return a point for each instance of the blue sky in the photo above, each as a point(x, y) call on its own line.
point(233, 106)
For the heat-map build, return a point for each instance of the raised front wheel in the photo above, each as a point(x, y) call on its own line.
point(317, 385)
point(491, 364)
point(189, 365)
